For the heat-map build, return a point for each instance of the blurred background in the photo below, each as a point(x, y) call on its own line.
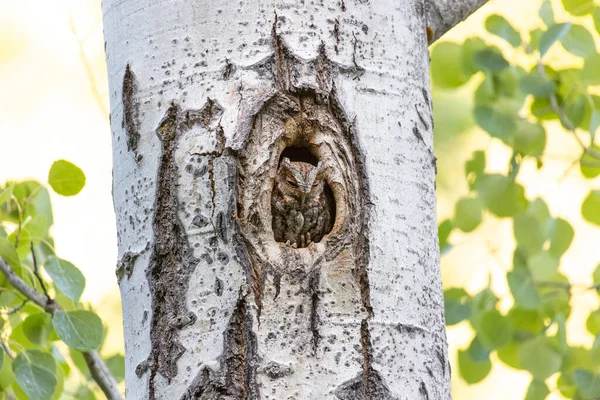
point(54, 105)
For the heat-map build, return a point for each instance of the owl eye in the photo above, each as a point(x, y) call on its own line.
point(291, 182)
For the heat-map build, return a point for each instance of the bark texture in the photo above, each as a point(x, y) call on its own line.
point(206, 100)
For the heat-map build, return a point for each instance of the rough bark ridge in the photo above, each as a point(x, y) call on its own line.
point(172, 260)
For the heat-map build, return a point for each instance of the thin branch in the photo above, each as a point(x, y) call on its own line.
point(443, 15)
point(17, 308)
point(96, 365)
point(36, 272)
point(7, 350)
point(88, 69)
point(565, 119)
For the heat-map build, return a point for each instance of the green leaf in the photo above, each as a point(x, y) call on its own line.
point(523, 320)
point(537, 85)
point(469, 48)
point(566, 386)
point(589, 164)
point(596, 275)
point(588, 383)
point(534, 39)
point(542, 266)
point(593, 323)
point(594, 123)
point(509, 354)
point(578, 8)
point(444, 230)
point(537, 391)
point(546, 13)
point(478, 352)
point(499, 26)
point(467, 214)
point(530, 139)
point(476, 164)
point(9, 253)
point(576, 111)
point(6, 193)
point(579, 41)
point(116, 366)
point(542, 109)
point(66, 178)
point(37, 328)
point(523, 289)
point(555, 297)
point(446, 66)
point(6, 375)
point(591, 70)
point(501, 195)
point(554, 33)
point(539, 357)
point(457, 304)
point(470, 370)
point(495, 122)
point(35, 371)
point(67, 277)
point(539, 210)
point(561, 235)
point(528, 233)
point(596, 16)
point(81, 330)
point(590, 208)
point(489, 60)
point(494, 329)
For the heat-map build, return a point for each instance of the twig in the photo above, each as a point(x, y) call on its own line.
point(36, 271)
point(17, 308)
point(96, 365)
point(88, 69)
point(7, 350)
point(564, 118)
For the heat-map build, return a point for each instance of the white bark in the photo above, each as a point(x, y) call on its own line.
point(204, 97)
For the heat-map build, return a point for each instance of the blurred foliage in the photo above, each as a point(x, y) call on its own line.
point(40, 352)
point(517, 94)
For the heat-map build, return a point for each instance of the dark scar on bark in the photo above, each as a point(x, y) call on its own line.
point(172, 259)
point(131, 112)
point(236, 377)
point(368, 384)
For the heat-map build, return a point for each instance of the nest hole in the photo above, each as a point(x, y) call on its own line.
point(298, 153)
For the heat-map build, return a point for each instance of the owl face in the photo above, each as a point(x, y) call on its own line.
point(299, 180)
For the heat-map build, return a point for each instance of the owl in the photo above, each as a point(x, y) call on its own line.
point(302, 205)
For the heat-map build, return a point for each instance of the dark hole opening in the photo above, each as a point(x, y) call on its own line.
point(297, 153)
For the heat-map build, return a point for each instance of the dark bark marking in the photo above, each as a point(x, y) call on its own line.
point(313, 285)
point(236, 377)
point(368, 385)
point(172, 259)
point(283, 62)
point(131, 112)
point(126, 264)
point(275, 370)
point(423, 391)
point(425, 124)
point(336, 35)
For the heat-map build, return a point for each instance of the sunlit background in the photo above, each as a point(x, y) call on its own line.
point(54, 105)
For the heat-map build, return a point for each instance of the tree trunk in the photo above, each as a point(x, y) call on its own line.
point(207, 102)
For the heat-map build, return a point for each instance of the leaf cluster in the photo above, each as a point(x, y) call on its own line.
point(41, 347)
point(518, 93)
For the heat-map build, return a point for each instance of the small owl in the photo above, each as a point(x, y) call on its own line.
point(302, 205)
